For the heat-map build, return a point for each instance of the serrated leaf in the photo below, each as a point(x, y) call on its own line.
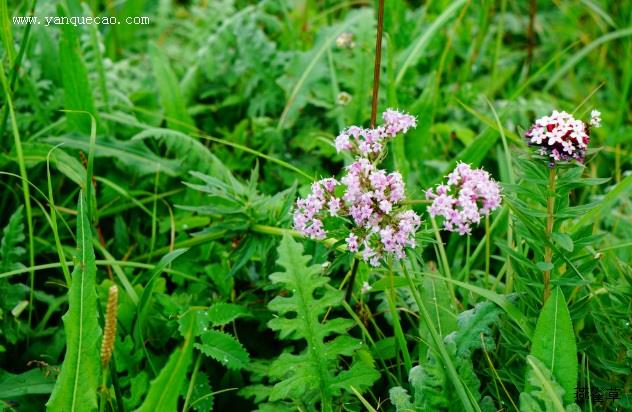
point(360, 376)
point(224, 348)
point(170, 96)
point(553, 343)
point(12, 237)
point(76, 387)
point(164, 391)
point(202, 396)
point(400, 399)
point(222, 313)
point(312, 374)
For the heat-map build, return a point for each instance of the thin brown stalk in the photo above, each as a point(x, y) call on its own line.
point(533, 6)
point(378, 60)
point(374, 99)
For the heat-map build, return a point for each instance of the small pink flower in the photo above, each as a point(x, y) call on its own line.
point(562, 137)
point(469, 195)
point(371, 199)
point(370, 143)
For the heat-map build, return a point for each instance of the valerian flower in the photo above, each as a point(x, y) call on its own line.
point(562, 137)
point(468, 195)
point(370, 143)
point(370, 199)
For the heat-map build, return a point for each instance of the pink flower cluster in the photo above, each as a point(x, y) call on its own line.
point(369, 143)
point(368, 197)
point(468, 195)
point(562, 137)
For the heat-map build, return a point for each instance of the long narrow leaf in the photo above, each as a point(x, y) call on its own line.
point(76, 387)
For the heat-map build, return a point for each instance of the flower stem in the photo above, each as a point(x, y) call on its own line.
point(444, 261)
point(354, 270)
point(548, 252)
point(487, 250)
point(439, 345)
point(391, 297)
point(378, 60)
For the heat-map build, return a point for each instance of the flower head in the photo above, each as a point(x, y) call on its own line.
point(371, 201)
point(562, 137)
point(468, 195)
point(370, 143)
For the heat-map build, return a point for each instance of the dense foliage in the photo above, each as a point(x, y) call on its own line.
point(153, 255)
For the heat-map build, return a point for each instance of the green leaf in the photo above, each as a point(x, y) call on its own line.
point(194, 154)
point(304, 67)
point(76, 387)
point(13, 236)
point(573, 60)
point(563, 240)
point(143, 305)
point(416, 48)
point(135, 156)
point(32, 382)
point(170, 96)
point(553, 343)
point(222, 313)
point(77, 89)
point(202, 396)
point(311, 374)
point(501, 300)
point(224, 348)
point(400, 399)
point(544, 266)
point(5, 32)
point(164, 391)
point(361, 374)
point(545, 394)
point(604, 204)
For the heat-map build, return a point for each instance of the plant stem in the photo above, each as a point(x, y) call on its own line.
point(378, 59)
point(440, 346)
point(487, 250)
point(196, 368)
point(354, 270)
point(548, 252)
point(397, 326)
point(444, 261)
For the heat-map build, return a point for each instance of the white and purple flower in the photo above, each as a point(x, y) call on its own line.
point(562, 137)
point(468, 195)
point(371, 200)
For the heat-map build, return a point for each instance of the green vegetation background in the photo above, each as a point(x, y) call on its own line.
point(210, 120)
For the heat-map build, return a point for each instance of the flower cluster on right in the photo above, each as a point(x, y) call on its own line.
point(562, 137)
point(468, 195)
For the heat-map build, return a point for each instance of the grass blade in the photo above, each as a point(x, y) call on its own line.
point(165, 389)
point(77, 89)
point(583, 52)
point(425, 38)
